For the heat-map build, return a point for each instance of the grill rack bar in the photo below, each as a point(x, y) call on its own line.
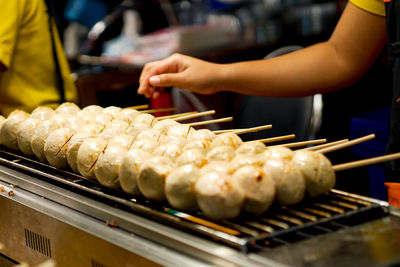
point(244, 233)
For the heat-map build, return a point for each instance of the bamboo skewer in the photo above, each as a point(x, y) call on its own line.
point(210, 121)
point(139, 107)
point(173, 116)
point(253, 129)
point(347, 144)
point(303, 143)
point(325, 145)
point(365, 162)
point(275, 139)
point(197, 115)
point(159, 110)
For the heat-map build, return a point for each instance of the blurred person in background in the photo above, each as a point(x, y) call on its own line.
point(33, 67)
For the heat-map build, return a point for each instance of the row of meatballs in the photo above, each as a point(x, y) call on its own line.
point(164, 160)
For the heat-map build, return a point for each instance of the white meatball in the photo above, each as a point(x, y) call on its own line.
point(221, 153)
point(41, 133)
point(10, 129)
point(196, 157)
point(278, 152)
point(144, 118)
point(42, 113)
point(103, 119)
point(113, 111)
point(164, 125)
point(171, 151)
point(181, 130)
point(56, 146)
point(289, 180)
point(127, 115)
point(219, 166)
point(144, 144)
point(92, 128)
point(67, 108)
point(75, 122)
point(228, 139)
point(136, 129)
point(73, 147)
point(149, 133)
point(17, 112)
point(25, 133)
point(106, 169)
point(92, 109)
point(152, 177)
point(251, 148)
point(114, 128)
point(179, 187)
point(172, 139)
point(123, 140)
point(218, 196)
point(201, 134)
point(88, 154)
point(130, 169)
point(258, 187)
point(317, 171)
point(2, 119)
point(241, 160)
point(198, 144)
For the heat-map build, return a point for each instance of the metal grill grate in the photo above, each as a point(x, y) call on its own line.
point(280, 225)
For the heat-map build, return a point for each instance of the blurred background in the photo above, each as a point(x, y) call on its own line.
point(108, 42)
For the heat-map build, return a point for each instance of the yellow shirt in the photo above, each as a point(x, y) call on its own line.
point(25, 49)
point(376, 7)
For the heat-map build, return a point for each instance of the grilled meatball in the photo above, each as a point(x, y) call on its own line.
point(229, 139)
point(149, 133)
point(219, 166)
point(258, 187)
point(241, 160)
point(92, 109)
point(127, 115)
point(42, 132)
point(218, 196)
point(123, 140)
point(113, 111)
point(180, 130)
point(152, 177)
point(278, 152)
point(113, 129)
point(172, 139)
point(317, 171)
point(67, 108)
point(171, 151)
point(25, 133)
point(145, 144)
point(88, 154)
point(164, 125)
point(130, 169)
point(179, 187)
point(106, 169)
point(56, 146)
point(289, 180)
point(73, 147)
point(222, 152)
point(42, 113)
point(196, 157)
point(136, 129)
point(201, 134)
point(144, 118)
point(203, 145)
point(251, 148)
point(10, 129)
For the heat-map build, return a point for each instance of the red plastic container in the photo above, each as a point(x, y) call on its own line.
point(393, 193)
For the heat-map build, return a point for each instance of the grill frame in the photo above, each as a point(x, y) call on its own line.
point(177, 219)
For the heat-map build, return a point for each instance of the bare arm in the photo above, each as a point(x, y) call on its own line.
point(345, 57)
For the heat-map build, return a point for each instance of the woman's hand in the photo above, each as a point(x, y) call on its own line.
point(179, 71)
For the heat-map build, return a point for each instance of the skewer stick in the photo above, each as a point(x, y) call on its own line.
point(275, 139)
point(245, 130)
point(253, 129)
point(197, 115)
point(347, 144)
point(303, 143)
point(365, 162)
point(139, 107)
point(198, 123)
point(159, 110)
point(173, 116)
point(325, 145)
